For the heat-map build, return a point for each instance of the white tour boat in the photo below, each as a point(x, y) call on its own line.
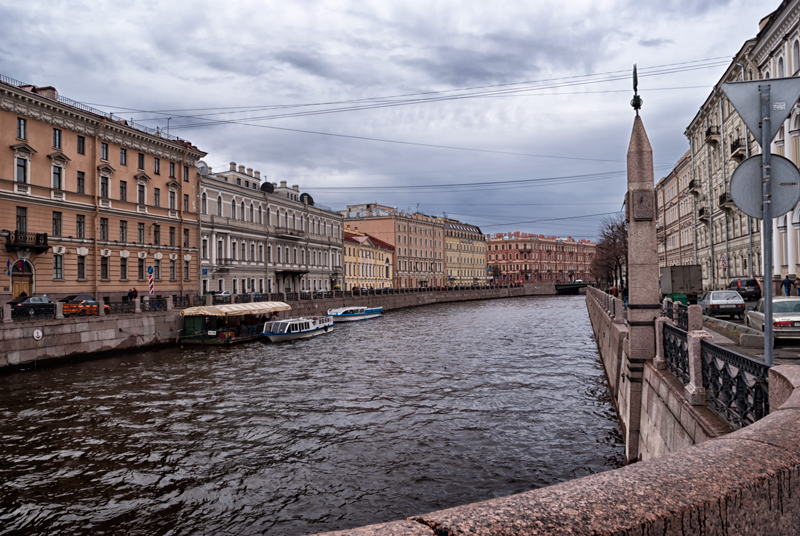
point(297, 328)
point(351, 314)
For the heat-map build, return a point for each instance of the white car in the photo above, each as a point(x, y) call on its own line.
point(722, 302)
point(785, 317)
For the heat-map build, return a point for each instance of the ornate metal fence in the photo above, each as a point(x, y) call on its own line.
point(676, 353)
point(154, 304)
point(683, 316)
point(44, 312)
point(276, 296)
point(198, 301)
point(181, 302)
point(736, 386)
point(668, 311)
point(119, 308)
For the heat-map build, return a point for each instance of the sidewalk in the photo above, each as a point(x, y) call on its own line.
point(786, 353)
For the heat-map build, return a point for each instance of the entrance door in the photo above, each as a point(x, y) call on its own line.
point(21, 285)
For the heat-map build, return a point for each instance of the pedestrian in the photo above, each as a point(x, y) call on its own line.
point(130, 294)
point(135, 293)
point(787, 284)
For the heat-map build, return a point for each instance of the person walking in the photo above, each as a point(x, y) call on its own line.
point(135, 293)
point(787, 284)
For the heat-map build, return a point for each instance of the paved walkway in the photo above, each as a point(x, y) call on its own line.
point(786, 353)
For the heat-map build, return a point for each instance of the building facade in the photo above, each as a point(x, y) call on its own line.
point(259, 236)
point(418, 242)
point(675, 222)
point(91, 203)
point(465, 253)
point(521, 257)
point(368, 261)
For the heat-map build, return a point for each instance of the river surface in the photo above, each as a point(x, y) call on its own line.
point(423, 409)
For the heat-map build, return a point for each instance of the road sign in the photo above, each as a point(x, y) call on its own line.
point(747, 186)
point(745, 97)
point(205, 271)
point(150, 270)
point(723, 261)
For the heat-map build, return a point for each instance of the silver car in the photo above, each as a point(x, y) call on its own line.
point(785, 317)
point(722, 302)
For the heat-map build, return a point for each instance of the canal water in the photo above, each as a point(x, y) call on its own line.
point(423, 409)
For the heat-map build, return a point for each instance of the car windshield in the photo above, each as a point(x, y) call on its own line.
point(788, 306)
point(725, 296)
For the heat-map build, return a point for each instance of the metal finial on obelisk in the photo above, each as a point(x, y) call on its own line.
point(636, 102)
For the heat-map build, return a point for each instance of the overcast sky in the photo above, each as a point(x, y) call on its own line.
point(383, 101)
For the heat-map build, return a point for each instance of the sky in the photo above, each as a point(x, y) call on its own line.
point(508, 115)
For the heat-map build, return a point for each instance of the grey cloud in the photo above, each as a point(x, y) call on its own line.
point(655, 42)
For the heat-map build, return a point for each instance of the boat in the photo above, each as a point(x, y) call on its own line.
point(233, 323)
point(351, 314)
point(296, 328)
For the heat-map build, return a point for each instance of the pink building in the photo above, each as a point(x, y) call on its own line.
point(520, 257)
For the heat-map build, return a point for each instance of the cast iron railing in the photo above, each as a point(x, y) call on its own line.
point(119, 308)
point(736, 386)
point(154, 304)
point(241, 298)
point(197, 301)
point(682, 321)
point(676, 353)
point(668, 309)
point(276, 296)
point(181, 302)
point(291, 296)
point(39, 312)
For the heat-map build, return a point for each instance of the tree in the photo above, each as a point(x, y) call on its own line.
point(609, 264)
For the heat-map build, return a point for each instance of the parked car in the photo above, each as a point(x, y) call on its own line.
point(83, 307)
point(32, 305)
point(748, 288)
point(722, 302)
point(785, 317)
point(74, 297)
point(223, 293)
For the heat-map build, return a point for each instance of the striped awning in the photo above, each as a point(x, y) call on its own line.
point(237, 309)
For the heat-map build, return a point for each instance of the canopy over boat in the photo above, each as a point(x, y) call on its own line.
point(237, 309)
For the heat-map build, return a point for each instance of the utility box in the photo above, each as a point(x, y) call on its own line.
point(686, 279)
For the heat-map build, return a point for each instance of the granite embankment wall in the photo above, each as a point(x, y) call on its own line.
point(667, 420)
point(86, 335)
point(743, 483)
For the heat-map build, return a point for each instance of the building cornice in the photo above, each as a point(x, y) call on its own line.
point(777, 32)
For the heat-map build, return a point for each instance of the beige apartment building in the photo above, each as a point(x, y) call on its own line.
point(418, 242)
point(259, 236)
point(368, 261)
point(465, 253)
point(519, 257)
point(91, 202)
point(675, 223)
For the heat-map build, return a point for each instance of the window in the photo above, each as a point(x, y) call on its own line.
point(233, 209)
point(171, 200)
point(57, 138)
point(80, 226)
point(172, 270)
point(219, 206)
point(81, 267)
point(205, 249)
point(172, 174)
point(186, 202)
point(123, 231)
point(123, 191)
point(22, 170)
point(57, 177)
point(140, 236)
point(103, 228)
point(103, 186)
point(186, 270)
point(141, 161)
point(157, 197)
point(81, 188)
point(141, 269)
point(22, 128)
point(157, 166)
point(81, 145)
point(204, 204)
point(104, 151)
point(123, 268)
point(157, 269)
point(172, 236)
point(123, 157)
point(185, 173)
point(186, 238)
point(104, 268)
point(242, 213)
point(156, 234)
point(252, 213)
point(58, 267)
point(141, 196)
point(56, 224)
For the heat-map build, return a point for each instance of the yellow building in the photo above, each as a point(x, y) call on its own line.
point(368, 261)
point(465, 254)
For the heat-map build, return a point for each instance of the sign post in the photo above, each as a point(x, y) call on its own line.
point(764, 105)
point(150, 277)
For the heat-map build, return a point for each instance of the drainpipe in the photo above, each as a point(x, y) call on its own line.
point(710, 216)
point(724, 180)
point(746, 156)
point(694, 202)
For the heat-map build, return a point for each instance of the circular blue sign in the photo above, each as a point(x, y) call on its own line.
point(150, 270)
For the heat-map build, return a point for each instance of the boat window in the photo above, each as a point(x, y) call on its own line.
point(294, 328)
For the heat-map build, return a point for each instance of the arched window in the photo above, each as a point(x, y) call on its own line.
point(260, 216)
point(252, 213)
point(219, 206)
point(268, 216)
point(243, 213)
point(780, 68)
point(233, 209)
point(204, 204)
point(795, 57)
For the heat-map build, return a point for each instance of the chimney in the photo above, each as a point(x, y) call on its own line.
point(275, 184)
point(295, 187)
point(250, 171)
point(257, 174)
point(283, 184)
point(49, 92)
point(209, 170)
point(233, 166)
point(241, 170)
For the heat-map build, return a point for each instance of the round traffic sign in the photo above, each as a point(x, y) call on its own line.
point(747, 189)
point(150, 270)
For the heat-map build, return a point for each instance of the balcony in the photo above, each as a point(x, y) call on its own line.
point(19, 241)
point(223, 264)
point(726, 201)
point(694, 187)
point(738, 149)
point(290, 234)
point(712, 135)
point(703, 213)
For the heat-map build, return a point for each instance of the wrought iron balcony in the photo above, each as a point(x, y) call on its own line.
point(703, 213)
point(285, 232)
point(17, 240)
point(726, 201)
point(738, 148)
point(712, 134)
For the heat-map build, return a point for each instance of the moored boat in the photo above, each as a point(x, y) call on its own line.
point(297, 328)
point(227, 323)
point(351, 314)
